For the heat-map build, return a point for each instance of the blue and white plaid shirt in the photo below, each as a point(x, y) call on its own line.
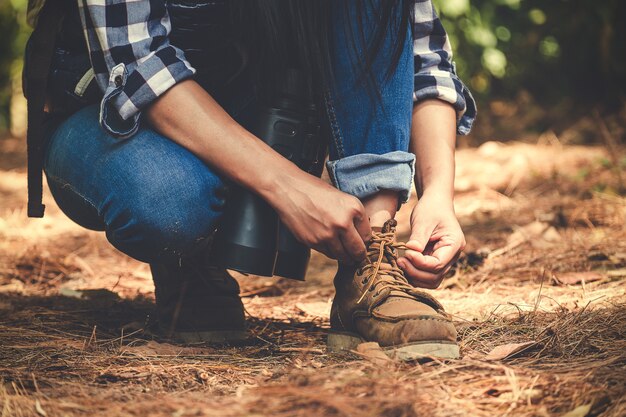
point(134, 62)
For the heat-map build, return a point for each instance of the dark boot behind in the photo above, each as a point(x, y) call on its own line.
point(197, 302)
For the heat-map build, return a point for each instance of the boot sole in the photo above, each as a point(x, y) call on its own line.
point(213, 336)
point(438, 349)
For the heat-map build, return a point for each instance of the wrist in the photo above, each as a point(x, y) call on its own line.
point(443, 196)
point(274, 183)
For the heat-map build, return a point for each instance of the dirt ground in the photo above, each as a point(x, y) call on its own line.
point(538, 299)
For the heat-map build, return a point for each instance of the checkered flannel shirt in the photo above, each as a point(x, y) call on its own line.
point(134, 62)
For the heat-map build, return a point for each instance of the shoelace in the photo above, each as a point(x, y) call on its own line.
point(384, 246)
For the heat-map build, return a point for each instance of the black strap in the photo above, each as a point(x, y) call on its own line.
point(41, 48)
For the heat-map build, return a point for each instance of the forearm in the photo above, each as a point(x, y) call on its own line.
point(189, 116)
point(318, 215)
point(433, 138)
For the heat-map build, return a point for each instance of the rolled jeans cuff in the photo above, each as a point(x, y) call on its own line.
point(366, 174)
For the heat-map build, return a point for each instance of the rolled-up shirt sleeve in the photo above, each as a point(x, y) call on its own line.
point(435, 74)
point(131, 56)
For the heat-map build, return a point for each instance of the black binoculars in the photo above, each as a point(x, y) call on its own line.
point(250, 237)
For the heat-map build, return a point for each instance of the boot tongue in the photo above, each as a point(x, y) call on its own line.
point(385, 265)
point(388, 227)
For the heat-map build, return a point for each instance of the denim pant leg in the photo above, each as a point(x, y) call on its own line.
point(370, 134)
point(154, 199)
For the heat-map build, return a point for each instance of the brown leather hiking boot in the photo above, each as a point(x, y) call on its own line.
point(375, 303)
point(198, 303)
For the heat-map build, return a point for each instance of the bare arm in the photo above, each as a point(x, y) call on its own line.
point(318, 214)
point(193, 119)
point(433, 139)
point(436, 237)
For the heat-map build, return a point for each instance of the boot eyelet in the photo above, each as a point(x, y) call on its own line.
point(365, 281)
point(371, 289)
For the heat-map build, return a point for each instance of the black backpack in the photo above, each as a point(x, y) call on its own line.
point(45, 16)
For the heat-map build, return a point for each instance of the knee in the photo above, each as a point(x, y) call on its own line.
point(165, 218)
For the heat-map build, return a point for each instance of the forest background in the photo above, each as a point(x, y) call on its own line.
point(534, 66)
point(538, 297)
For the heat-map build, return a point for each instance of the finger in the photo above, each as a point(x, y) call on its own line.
point(337, 250)
point(447, 255)
point(447, 241)
point(353, 244)
point(324, 250)
point(426, 278)
point(419, 239)
point(363, 227)
point(434, 262)
point(419, 278)
point(455, 259)
point(422, 262)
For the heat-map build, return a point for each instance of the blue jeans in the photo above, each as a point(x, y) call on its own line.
point(155, 200)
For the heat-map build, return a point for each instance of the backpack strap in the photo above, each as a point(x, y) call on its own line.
point(41, 49)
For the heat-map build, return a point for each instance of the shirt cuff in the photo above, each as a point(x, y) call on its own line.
point(131, 90)
point(364, 175)
point(447, 86)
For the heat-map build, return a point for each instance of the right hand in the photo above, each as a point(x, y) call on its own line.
point(323, 218)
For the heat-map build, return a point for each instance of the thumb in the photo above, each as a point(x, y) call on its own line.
point(419, 239)
point(362, 225)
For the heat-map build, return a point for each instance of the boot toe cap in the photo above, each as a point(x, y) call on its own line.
point(416, 329)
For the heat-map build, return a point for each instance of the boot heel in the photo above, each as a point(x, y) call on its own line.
point(338, 342)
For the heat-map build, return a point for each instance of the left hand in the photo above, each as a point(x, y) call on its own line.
point(435, 244)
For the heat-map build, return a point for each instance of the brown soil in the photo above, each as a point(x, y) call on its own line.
point(545, 268)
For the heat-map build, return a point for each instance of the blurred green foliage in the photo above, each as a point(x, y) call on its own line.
point(554, 49)
point(13, 34)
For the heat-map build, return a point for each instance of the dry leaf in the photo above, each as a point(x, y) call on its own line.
point(534, 395)
point(616, 273)
point(373, 352)
point(580, 411)
point(551, 235)
point(315, 308)
point(15, 286)
point(68, 292)
point(98, 294)
point(573, 278)
point(530, 231)
point(254, 285)
point(541, 236)
point(508, 350)
point(317, 365)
